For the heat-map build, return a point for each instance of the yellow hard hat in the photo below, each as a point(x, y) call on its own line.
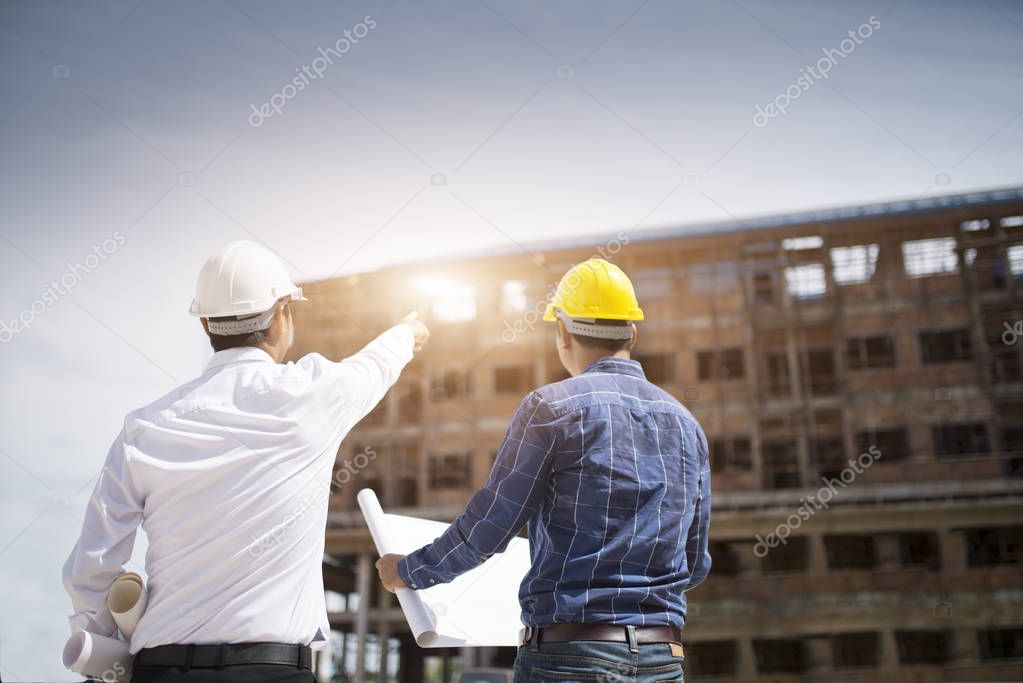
point(593, 290)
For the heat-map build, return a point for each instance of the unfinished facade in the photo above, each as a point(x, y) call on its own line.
point(890, 336)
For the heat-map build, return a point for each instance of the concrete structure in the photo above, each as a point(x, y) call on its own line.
point(800, 342)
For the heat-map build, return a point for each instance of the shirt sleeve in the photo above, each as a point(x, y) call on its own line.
point(499, 510)
point(108, 536)
point(697, 553)
point(365, 377)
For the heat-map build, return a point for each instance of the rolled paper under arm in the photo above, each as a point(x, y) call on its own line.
point(99, 657)
point(127, 601)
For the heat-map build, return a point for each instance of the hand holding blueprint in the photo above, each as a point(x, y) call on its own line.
point(108, 659)
point(479, 608)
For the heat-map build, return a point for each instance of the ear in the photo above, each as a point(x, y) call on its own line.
point(287, 321)
point(205, 326)
point(280, 321)
point(635, 336)
point(564, 338)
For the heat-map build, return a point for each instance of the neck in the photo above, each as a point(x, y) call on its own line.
point(588, 357)
point(272, 352)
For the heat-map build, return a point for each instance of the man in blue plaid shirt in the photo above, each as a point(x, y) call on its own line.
point(611, 476)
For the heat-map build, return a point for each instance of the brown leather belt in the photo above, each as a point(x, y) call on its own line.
point(645, 635)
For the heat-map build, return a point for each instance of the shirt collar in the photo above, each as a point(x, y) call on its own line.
point(622, 366)
point(239, 354)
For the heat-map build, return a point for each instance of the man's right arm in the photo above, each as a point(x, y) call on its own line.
point(105, 544)
point(500, 509)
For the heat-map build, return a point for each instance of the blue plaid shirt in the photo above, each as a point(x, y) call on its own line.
point(611, 475)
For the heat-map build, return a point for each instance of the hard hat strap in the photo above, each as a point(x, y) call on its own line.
point(255, 323)
point(588, 327)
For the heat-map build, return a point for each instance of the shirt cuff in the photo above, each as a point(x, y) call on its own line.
point(400, 341)
point(405, 572)
point(424, 578)
point(84, 622)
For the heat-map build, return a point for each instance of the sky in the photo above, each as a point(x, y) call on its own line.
point(137, 137)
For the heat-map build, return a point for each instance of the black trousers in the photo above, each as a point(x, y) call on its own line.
point(244, 673)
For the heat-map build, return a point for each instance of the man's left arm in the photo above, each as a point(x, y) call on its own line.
point(499, 510)
point(697, 553)
point(108, 536)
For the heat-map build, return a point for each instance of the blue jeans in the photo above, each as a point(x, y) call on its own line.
point(592, 661)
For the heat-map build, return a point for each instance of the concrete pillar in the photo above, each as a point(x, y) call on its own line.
point(749, 563)
point(746, 667)
point(384, 631)
point(324, 660)
point(818, 560)
point(965, 647)
point(819, 651)
point(363, 570)
point(411, 669)
point(484, 655)
point(888, 553)
point(953, 550)
point(385, 635)
point(889, 655)
point(345, 652)
point(799, 385)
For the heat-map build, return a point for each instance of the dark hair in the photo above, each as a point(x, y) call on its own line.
point(222, 342)
point(608, 345)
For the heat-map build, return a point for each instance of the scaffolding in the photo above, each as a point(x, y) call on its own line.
point(799, 342)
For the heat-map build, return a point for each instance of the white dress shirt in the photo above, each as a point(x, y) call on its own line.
point(229, 476)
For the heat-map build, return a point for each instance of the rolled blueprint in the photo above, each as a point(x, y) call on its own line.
point(99, 657)
point(479, 608)
point(127, 601)
point(420, 619)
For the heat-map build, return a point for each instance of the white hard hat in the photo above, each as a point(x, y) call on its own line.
point(242, 279)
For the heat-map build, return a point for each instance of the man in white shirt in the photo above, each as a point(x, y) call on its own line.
point(229, 476)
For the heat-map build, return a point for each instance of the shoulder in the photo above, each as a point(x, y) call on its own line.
point(597, 389)
point(557, 397)
point(310, 366)
point(227, 386)
point(174, 403)
point(534, 409)
point(669, 403)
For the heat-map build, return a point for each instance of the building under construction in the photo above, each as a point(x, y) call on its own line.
point(859, 374)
